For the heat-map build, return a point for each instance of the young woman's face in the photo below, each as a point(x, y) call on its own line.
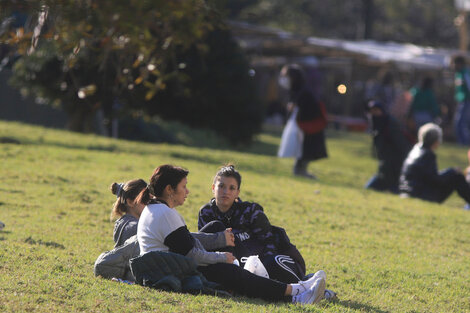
point(180, 193)
point(225, 191)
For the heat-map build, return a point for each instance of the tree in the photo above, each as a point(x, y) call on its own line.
point(94, 51)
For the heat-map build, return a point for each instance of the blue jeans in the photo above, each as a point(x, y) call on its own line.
point(462, 123)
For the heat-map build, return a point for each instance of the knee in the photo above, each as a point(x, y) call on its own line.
point(213, 227)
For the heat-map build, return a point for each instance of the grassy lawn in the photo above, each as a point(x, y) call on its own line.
point(381, 253)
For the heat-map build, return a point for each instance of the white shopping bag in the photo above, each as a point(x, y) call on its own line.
point(292, 139)
point(253, 264)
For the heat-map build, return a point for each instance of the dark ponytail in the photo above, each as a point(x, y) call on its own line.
point(163, 176)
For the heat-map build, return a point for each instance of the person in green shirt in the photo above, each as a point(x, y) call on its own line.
point(424, 108)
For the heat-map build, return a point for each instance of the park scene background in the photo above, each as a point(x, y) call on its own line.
point(176, 82)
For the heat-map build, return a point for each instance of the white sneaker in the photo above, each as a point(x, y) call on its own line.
point(313, 295)
point(330, 295)
point(309, 282)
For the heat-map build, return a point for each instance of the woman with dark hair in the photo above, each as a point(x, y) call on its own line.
point(311, 118)
point(254, 234)
point(162, 228)
point(126, 210)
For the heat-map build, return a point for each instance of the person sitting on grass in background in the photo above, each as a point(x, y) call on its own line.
point(126, 210)
point(162, 228)
point(420, 177)
point(254, 234)
point(390, 146)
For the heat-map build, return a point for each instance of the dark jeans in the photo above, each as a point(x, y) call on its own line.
point(280, 267)
point(380, 184)
point(243, 282)
point(462, 122)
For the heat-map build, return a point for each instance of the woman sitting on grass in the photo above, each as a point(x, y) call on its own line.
point(126, 210)
point(162, 228)
point(254, 234)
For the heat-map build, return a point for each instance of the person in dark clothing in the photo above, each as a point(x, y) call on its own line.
point(254, 234)
point(390, 146)
point(125, 210)
point(420, 177)
point(162, 228)
point(311, 118)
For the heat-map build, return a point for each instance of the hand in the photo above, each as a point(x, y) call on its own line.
point(230, 257)
point(229, 238)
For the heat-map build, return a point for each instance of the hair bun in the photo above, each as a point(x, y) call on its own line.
point(114, 188)
point(117, 188)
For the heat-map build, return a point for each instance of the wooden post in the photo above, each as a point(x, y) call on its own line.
point(463, 6)
point(461, 23)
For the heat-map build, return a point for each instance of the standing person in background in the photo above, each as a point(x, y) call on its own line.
point(390, 146)
point(462, 96)
point(311, 118)
point(126, 210)
point(424, 108)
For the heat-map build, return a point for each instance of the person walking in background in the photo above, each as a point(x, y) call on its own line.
point(462, 96)
point(126, 210)
point(390, 146)
point(311, 117)
point(420, 177)
point(424, 108)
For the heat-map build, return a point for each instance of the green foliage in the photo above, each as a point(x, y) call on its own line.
point(381, 253)
point(219, 93)
point(167, 58)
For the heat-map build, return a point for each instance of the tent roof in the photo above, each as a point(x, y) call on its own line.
point(268, 41)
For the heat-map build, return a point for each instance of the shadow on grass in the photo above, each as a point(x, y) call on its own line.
point(360, 306)
point(52, 244)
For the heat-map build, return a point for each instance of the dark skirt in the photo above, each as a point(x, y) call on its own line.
point(314, 147)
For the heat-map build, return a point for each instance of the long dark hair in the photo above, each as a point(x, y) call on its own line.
point(163, 176)
point(296, 75)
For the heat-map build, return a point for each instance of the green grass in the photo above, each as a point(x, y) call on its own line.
point(381, 253)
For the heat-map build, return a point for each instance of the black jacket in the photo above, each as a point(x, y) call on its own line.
point(419, 176)
point(254, 234)
point(251, 227)
point(171, 272)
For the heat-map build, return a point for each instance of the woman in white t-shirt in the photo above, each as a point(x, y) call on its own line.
point(162, 228)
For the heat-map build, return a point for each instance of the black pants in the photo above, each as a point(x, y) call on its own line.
point(280, 267)
point(453, 181)
point(243, 282)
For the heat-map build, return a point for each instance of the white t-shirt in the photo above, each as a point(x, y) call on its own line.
point(156, 222)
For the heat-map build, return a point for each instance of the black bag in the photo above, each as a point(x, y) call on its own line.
point(284, 246)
